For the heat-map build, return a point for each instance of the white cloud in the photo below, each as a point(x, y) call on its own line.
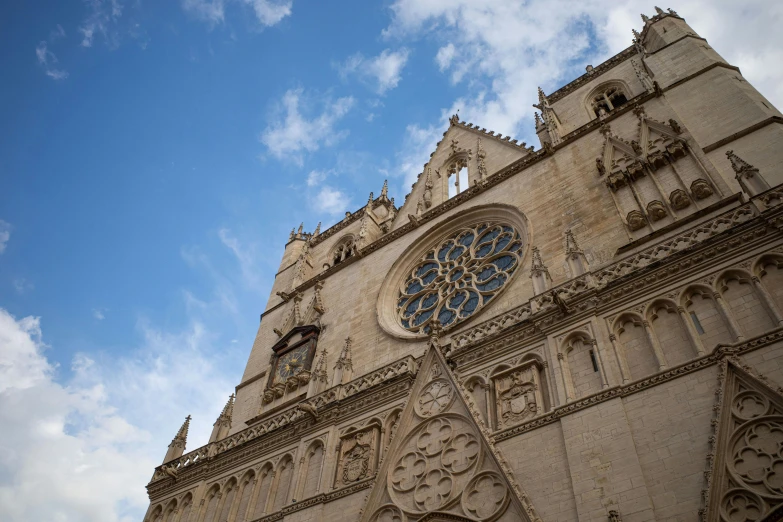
point(103, 16)
point(245, 255)
point(98, 313)
point(106, 428)
point(445, 56)
point(48, 60)
point(417, 145)
point(57, 33)
point(383, 71)
point(270, 13)
point(22, 285)
point(504, 50)
point(291, 133)
point(316, 177)
point(331, 200)
point(267, 12)
point(5, 234)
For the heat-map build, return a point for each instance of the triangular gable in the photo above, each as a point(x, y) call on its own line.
point(746, 478)
point(295, 317)
point(483, 152)
point(440, 464)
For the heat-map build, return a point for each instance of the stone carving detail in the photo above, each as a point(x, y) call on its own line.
point(635, 220)
point(435, 398)
point(518, 394)
point(485, 496)
point(358, 451)
point(436, 464)
point(656, 210)
point(747, 478)
point(679, 199)
point(388, 513)
point(701, 189)
point(459, 276)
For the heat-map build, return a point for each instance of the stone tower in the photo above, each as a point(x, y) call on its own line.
point(588, 331)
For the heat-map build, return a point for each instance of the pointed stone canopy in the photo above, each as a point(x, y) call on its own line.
point(441, 463)
point(571, 245)
point(745, 457)
point(385, 189)
point(739, 165)
point(222, 425)
point(317, 229)
point(177, 446)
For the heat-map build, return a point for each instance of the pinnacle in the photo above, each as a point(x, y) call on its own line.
point(385, 189)
point(183, 431)
point(571, 244)
point(537, 263)
point(738, 164)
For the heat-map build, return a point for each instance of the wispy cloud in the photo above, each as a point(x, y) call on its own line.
point(316, 177)
point(267, 12)
point(99, 313)
point(101, 20)
point(245, 255)
point(331, 200)
point(22, 285)
point(383, 71)
point(48, 61)
point(294, 129)
point(5, 234)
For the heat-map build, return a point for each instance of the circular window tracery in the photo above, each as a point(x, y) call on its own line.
point(459, 275)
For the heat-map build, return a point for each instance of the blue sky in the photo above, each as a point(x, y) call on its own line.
point(154, 157)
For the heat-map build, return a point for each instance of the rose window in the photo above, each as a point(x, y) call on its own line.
point(459, 276)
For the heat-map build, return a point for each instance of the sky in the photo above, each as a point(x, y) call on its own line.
point(154, 157)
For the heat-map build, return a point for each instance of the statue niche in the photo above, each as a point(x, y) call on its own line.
point(518, 394)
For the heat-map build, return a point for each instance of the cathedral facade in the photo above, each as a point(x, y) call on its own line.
point(591, 330)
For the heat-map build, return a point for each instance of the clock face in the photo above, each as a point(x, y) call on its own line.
point(292, 362)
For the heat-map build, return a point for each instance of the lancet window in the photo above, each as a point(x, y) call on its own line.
point(458, 177)
point(344, 249)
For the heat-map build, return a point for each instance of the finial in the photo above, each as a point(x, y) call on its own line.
point(293, 234)
point(183, 431)
point(392, 202)
point(301, 228)
point(385, 189)
point(571, 244)
point(454, 119)
point(738, 164)
point(659, 10)
point(538, 119)
point(369, 199)
point(645, 19)
point(672, 12)
point(317, 229)
point(537, 263)
point(637, 35)
point(541, 96)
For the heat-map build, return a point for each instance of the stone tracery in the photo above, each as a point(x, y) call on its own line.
point(459, 276)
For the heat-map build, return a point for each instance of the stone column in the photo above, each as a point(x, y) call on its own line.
point(565, 373)
point(625, 372)
point(601, 367)
point(767, 301)
point(656, 346)
point(729, 317)
point(692, 333)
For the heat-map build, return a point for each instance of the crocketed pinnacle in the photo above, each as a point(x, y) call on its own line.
point(537, 264)
point(571, 245)
point(385, 189)
point(182, 434)
point(228, 410)
point(738, 164)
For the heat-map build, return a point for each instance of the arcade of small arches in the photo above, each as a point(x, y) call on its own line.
point(668, 331)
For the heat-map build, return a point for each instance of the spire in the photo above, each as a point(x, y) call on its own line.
point(748, 176)
point(293, 234)
point(571, 245)
point(223, 423)
point(541, 96)
point(538, 120)
point(385, 189)
point(659, 10)
point(177, 446)
point(539, 273)
point(645, 19)
point(318, 379)
point(299, 232)
point(343, 368)
point(317, 229)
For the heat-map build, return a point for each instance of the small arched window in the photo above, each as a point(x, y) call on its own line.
point(607, 98)
point(344, 249)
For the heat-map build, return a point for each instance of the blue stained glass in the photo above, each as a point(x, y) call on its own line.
point(445, 250)
point(504, 262)
point(446, 316)
point(456, 275)
point(493, 284)
point(489, 236)
point(481, 229)
point(401, 302)
point(423, 269)
point(485, 274)
point(515, 247)
point(456, 253)
point(484, 250)
point(467, 239)
point(470, 305)
point(508, 229)
point(487, 297)
point(502, 242)
point(430, 300)
point(406, 323)
point(429, 278)
point(413, 287)
point(413, 305)
point(457, 300)
point(422, 317)
point(431, 255)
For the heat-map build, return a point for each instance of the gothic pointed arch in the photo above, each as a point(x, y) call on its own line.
point(606, 97)
point(441, 465)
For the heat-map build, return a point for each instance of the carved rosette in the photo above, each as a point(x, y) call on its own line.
point(437, 462)
point(435, 398)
